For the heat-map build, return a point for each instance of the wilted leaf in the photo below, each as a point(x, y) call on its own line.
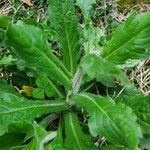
point(28, 90)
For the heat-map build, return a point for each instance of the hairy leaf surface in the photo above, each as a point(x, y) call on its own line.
point(29, 43)
point(130, 40)
point(141, 107)
point(64, 22)
point(114, 121)
point(98, 68)
point(86, 6)
point(46, 87)
point(6, 90)
point(57, 143)
point(39, 134)
point(16, 108)
point(75, 138)
point(92, 37)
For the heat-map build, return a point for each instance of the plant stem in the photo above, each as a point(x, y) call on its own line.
point(76, 84)
point(77, 81)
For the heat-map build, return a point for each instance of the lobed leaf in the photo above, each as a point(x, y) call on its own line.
point(64, 22)
point(46, 87)
point(130, 40)
point(114, 121)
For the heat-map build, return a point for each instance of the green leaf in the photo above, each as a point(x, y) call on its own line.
point(145, 142)
point(141, 107)
point(57, 143)
point(64, 22)
point(45, 85)
point(92, 37)
point(4, 21)
point(86, 7)
point(29, 43)
point(16, 108)
point(110, 148)
point(75, 138)
point(114, 121)
point(15, 136)
point(37, 142)
point(98, 68)
point(38, 93)
point(7, 60)
point(6, 90)
point(130, 40)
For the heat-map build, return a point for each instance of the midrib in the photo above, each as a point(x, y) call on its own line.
point(125, 43)
point(27, 108)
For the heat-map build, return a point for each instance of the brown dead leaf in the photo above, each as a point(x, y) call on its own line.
point(27, 2)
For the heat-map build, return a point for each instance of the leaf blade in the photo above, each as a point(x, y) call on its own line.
point(74, 134)
point(105, 119)
point(16, 108)
point(64, 22)
point(95, 67)
point(29, 43)
point(16, 135)
point(86, 6)
point(140, 105)
point(130, 41)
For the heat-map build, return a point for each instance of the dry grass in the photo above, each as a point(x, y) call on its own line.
point(6, 7)
point(141, 76)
